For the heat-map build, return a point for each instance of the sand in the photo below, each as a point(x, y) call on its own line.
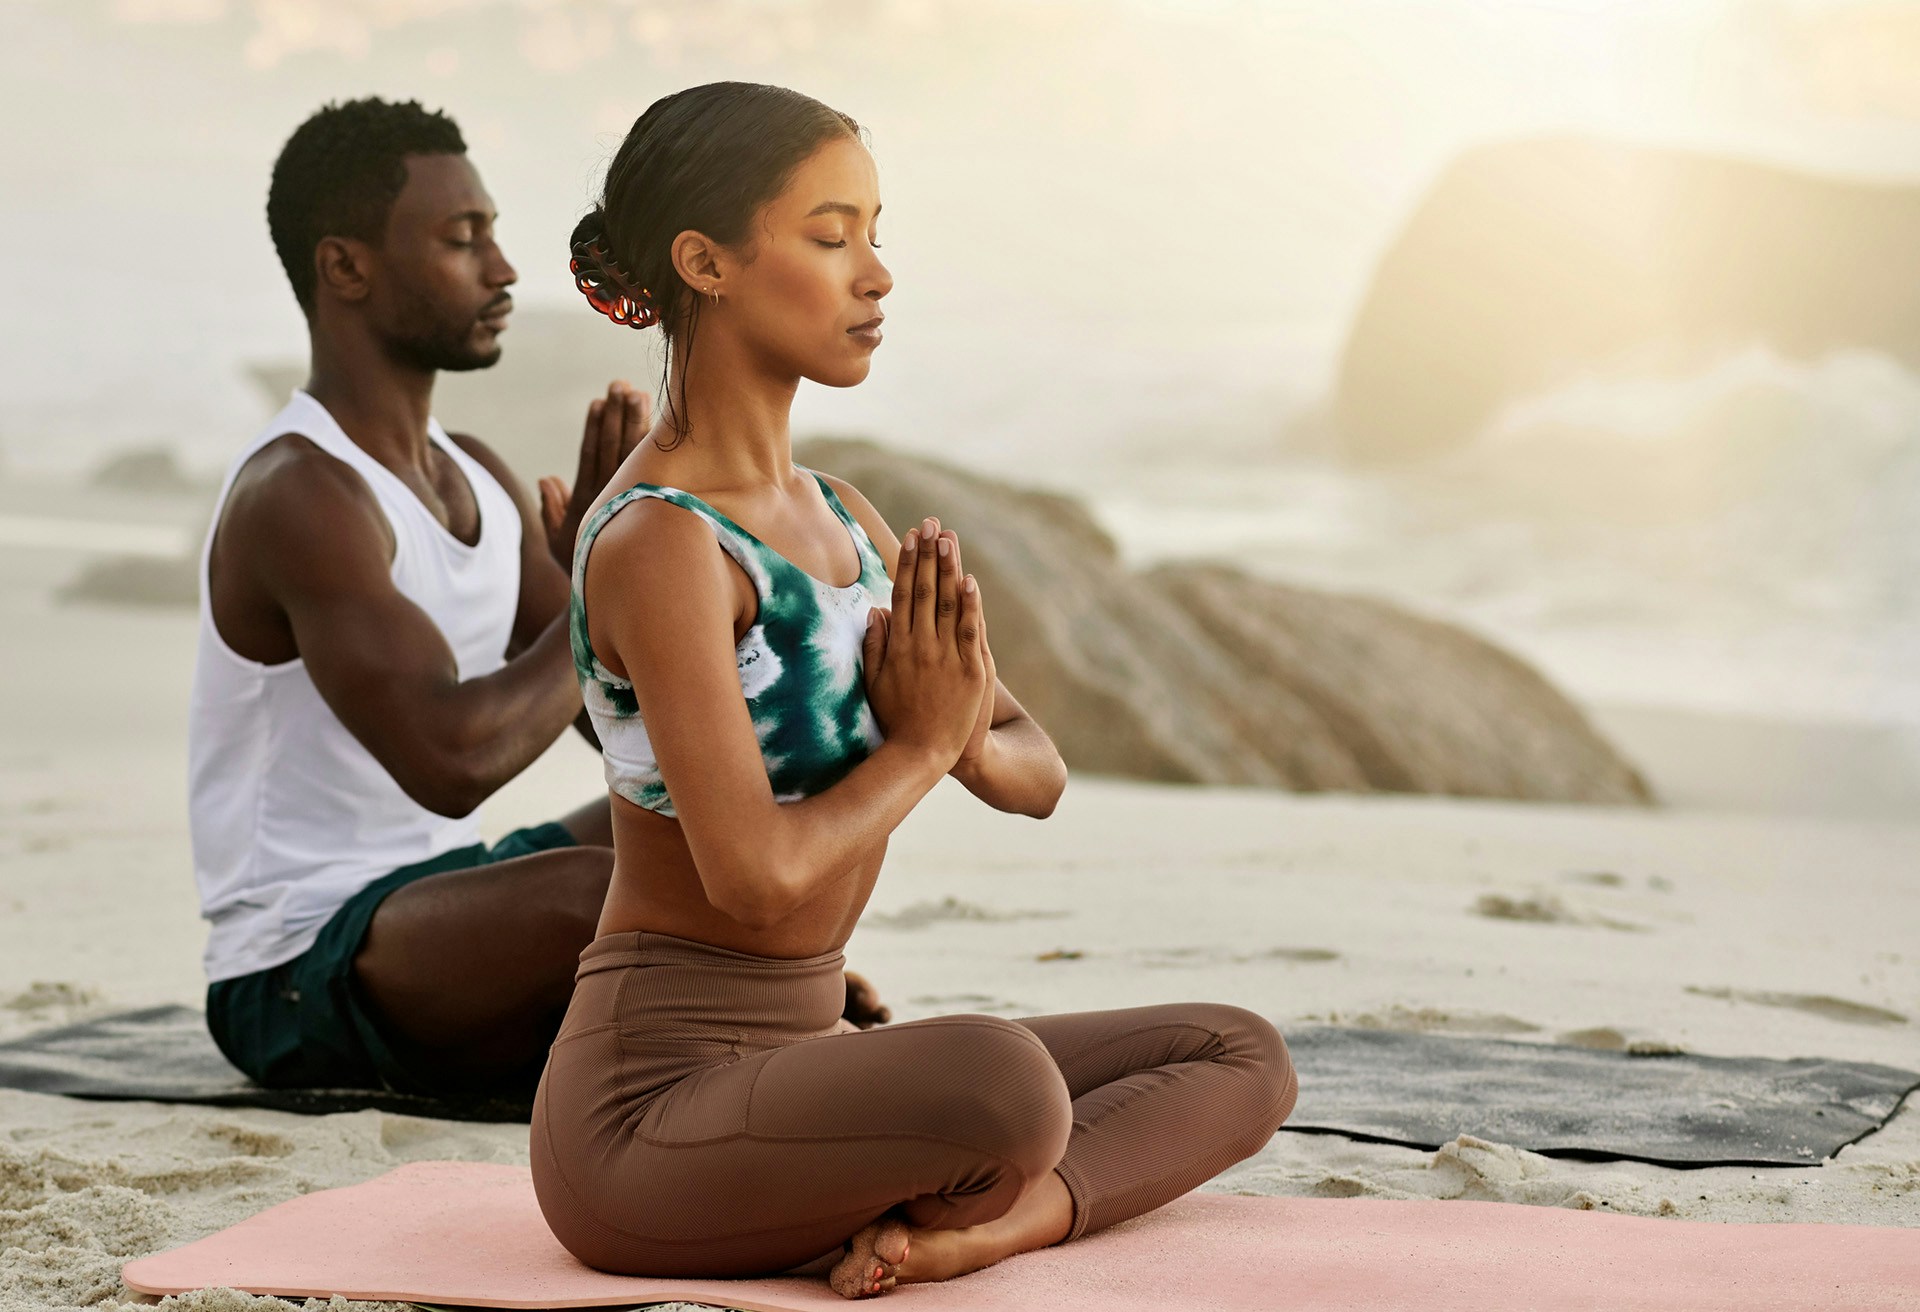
point(1716, 927)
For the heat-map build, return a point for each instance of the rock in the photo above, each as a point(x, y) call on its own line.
point(137, 581)
point(149, 469)
point(1352, 693)
point(1531, 262)
point(1202, 674)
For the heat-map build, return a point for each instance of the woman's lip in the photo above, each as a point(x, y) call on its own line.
point(867, 332)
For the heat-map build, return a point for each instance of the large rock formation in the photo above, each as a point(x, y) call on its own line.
point(1201, 674)
point(1532, 261)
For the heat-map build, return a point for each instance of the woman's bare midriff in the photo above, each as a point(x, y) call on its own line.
point(656, 888)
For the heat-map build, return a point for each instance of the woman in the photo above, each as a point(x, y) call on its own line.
point(766, 726)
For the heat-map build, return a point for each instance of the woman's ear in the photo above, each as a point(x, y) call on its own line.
point(700, 262)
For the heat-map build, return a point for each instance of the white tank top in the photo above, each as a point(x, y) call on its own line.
point(291, 816)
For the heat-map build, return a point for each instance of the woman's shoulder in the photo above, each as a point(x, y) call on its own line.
point(862, 510)
point(653, 527)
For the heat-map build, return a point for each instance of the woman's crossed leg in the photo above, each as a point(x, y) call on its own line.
point(1164, 1099)
point(925, 1149)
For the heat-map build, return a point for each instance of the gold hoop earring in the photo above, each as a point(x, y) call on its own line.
point(715, 293)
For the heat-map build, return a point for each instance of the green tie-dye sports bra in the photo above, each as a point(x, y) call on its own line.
point(800, 663)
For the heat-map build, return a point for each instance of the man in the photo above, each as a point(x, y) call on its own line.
point(383, 644)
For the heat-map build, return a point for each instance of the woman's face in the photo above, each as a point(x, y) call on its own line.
point(808, 303)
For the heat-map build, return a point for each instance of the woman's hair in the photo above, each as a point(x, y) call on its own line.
point(707, 159)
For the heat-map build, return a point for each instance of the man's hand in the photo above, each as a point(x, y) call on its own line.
point(615, 424)
point(864, 1007)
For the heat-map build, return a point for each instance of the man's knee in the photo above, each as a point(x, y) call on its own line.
point(535, 909)
point(574, 888)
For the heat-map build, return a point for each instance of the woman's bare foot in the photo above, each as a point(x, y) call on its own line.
point(873, 1259)
point(1043, 1216)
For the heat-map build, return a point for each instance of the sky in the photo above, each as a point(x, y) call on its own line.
point(1084, 196)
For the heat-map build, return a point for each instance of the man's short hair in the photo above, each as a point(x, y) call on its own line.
point(340, 172)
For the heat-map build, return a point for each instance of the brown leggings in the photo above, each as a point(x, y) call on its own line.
point(706, 1113)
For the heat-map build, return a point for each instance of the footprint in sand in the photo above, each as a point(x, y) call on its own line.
point(1545, 909)
point(970, 1004)
point(1605, 1038)
point(46, 995)
point(1177, 957)
point(1814, 1004)
point(1608, 879)
point(1431, 1020)
point(1305, 956)
point(246, 1141)
point(922, 914)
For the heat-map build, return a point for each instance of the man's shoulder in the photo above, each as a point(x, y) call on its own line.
point(292, 470)
point(291, 490)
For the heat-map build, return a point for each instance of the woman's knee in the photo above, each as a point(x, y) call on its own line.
point(1250, 1042)
point(1007, 1095)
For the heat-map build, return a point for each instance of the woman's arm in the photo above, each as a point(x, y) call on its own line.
point(1018, 768)
point(661, 607)
point(1009, 762)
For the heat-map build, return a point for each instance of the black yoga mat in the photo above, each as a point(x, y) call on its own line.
point(164, 1054)
point(1671, 1109)
point(1420, 1090)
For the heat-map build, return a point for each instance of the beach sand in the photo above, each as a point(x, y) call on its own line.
point(1714, 926)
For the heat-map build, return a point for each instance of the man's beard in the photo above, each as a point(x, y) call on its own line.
point(427, 341)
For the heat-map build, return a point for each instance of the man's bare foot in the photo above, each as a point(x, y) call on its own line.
point(873, 1260)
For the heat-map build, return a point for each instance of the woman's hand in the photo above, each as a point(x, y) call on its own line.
point(977, 740)
point(925, 660)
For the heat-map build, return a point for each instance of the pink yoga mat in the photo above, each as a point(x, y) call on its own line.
point(470, 1233)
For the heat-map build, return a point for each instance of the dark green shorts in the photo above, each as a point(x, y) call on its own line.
point(304, 1024)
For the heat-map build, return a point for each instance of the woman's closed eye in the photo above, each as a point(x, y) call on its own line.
point(836, 245)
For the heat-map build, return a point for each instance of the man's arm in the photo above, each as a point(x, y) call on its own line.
point(320, 552)
point(615, 424)
point(546, 584)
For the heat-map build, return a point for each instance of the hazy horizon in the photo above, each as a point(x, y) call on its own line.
point(1128, 241)
point(1060, 167)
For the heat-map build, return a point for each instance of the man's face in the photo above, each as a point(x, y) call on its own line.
point(440, 300)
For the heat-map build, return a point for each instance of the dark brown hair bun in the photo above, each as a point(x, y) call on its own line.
point(607, 286)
